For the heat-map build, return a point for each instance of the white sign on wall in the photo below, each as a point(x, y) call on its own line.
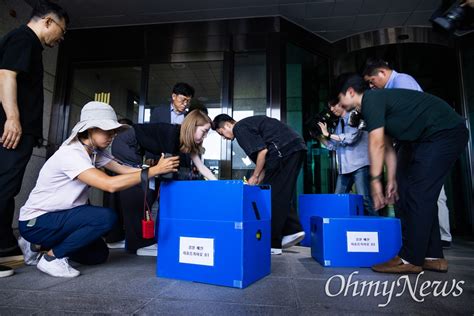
point(362, 241)
point(196, 251)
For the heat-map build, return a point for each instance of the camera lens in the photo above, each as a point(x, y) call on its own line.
point(451, 20)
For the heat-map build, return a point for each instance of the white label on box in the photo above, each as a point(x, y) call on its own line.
point(362, 242)
point(196, 251)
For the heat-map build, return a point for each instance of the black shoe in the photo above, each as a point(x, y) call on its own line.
point(446, 244)
point(5, 271)
point(12, 255)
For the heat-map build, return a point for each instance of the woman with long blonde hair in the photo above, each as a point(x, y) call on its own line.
point(193, 130)
point(156, 139)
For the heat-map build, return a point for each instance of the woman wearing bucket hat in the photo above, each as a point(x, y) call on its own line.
point(57, 215)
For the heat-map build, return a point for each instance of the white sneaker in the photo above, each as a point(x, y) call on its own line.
point(31, 257)
point(5, 271)
point(58, 267)
point(116, 245)
point(291, 240)
point(276, 251)
point(151, 251)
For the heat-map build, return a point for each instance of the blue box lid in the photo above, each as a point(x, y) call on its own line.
point(223, 200)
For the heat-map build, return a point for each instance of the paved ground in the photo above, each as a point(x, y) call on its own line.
point(127, 285)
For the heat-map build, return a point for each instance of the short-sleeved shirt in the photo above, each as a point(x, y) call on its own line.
point(21, 51)
point(259, 132)
point(407, 115)
point(58, 187)
point(402, 81)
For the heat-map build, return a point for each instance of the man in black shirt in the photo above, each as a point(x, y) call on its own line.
point(432, 136)
point(278, 153)
point(21, 113)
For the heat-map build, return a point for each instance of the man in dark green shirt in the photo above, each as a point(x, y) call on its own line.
point(432, 137)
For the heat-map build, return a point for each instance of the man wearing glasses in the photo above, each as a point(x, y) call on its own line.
point(174, 113)
point(21, 111)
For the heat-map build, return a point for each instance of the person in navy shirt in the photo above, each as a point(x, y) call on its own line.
point(278, 153)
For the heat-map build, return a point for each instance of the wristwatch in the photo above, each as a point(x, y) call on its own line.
point(376, 178)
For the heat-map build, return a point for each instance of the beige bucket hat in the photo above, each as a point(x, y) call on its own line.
point(95, 115)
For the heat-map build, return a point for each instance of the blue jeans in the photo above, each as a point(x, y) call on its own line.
point(362, 182)
point(75, 233)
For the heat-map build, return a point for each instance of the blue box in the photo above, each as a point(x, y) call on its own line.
point(327, 205)
point(354, 241)
point(215, 232)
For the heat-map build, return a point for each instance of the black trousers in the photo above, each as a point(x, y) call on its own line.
point(129, 207)
point(283, 178)
point(94, 253)
point(12, 168)
point(421, 171)
point(117, 233)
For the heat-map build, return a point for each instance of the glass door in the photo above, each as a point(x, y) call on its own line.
point(307, 86)
point(116, 86)
point(206, 79)
point(249, 99)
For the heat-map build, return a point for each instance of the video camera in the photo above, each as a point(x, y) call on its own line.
point(455, 19)
point(355, 120)
point(325, 116)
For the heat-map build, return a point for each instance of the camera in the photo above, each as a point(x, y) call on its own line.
point(325, 116)
point(169, 175)
point(454, 19)
point(355, 120)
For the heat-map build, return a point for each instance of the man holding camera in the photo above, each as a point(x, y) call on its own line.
point(351, 146)
point(432, 136)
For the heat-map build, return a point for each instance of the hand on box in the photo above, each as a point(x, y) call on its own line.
point(253, 180)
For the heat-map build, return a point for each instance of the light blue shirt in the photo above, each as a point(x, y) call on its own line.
point(353, 149)
point(402, 81)
point(176, 118)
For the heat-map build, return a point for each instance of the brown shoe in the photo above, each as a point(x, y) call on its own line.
point(396, 265)
point(438, 265)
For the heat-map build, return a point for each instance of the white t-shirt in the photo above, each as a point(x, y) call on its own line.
point(58, 187)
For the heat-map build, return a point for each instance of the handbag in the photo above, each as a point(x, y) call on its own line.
point(148, 225)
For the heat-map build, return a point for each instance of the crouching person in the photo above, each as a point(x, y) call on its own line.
point(57, 217)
